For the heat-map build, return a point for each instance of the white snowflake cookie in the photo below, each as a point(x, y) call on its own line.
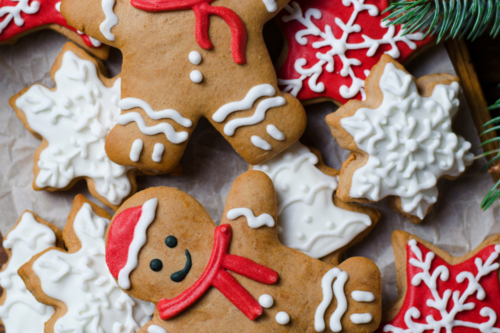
point(76, 282)
point(310, 218)
point(74, 120)
point(401, 139)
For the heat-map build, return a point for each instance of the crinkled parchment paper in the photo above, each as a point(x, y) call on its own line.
point(456, 223)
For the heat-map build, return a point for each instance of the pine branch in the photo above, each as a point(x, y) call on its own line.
point(494, 193)
point(447, 18)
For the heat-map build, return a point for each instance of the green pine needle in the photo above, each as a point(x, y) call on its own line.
point(447, 18)
point(494, 193)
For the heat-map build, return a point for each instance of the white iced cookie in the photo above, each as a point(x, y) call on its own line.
point(75, 119)
point(29, 237)
point(407, 139)
point(81, 280)
point(309, 220)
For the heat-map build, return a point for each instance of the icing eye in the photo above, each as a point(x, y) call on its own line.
point(156, 265)
point(171, 242)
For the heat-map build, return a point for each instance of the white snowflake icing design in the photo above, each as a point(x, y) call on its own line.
point(339, 47)
point(14, 12)
point(409, 141)
point(75, 120)
point(440, 303)
point(82, 281)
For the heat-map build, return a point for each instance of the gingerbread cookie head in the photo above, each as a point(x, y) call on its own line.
point(209, 278)
point(439, 292)
point(74, 120)
point(218, 69)
point(75, 280)
point(19, 18)
point(401, 139)
point(333, 45)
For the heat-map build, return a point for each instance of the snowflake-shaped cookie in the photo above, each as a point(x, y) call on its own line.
point(333, 45)
point(80, 279)
point(402, 141)
point(30, 236)
point(443, 293)
point(74, 120)
point(20, 17)
point(310, 219)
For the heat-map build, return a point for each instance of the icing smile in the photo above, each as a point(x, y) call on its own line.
point(181, 275)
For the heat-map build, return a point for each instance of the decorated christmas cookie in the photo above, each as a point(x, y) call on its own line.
point(333, 45)
point(73, 120)
point(30, 236)
point(77, 283)
point(440, 293)
point(163, 247)
point(183, 60)
point(20, 17)
point(401, 139)
point(310, 218)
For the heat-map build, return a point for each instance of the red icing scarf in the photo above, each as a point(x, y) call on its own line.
point(215, 275)
point(202, 11)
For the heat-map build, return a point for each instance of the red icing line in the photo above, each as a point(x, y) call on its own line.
point(417, 296)
point(120, 236)
point(215, 275)
point(202, 10)
point(47, 14)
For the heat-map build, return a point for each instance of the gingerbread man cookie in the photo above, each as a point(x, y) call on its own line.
point(438, 292)
point(30, 236)
point(186, 59)
point(333, 45)
point(76, 282)
point(401, 139)
point(73, 120)
point(163, 247)
point(310, 218)
point(21, 17)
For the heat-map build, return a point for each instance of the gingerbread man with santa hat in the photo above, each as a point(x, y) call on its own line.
point(163, 247)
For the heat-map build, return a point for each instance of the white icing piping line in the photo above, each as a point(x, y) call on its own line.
point(165, 128)
point(313, 159)
point(328, 291)
point(252, 220)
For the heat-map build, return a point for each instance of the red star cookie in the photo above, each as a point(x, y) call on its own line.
point(443, 293)
point(332, 46)
point(20, 17)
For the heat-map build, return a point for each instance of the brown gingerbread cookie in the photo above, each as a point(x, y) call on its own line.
point(172, 75)
point(311, 218)
point(401, 139)
point(73, 120)
point(438, 292)
point(22, 17)
point(163, 247)
point(75, 281)
point(29, 236)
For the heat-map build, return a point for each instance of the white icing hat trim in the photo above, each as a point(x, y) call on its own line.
point(147, 217)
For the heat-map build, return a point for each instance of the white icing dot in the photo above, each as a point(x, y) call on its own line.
point(304, 188)
point(196, 76)
point(300, 235)
point(280, 229)
point(282, 318)
point(265, 168)
point(411, 145)
point(366, 72)
point(308, 219)
point(329, 224)
point(288, 156)
point(285, 187)
point(195, 57)
point(266, 301)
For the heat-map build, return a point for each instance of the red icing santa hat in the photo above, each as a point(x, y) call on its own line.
point(126, 237)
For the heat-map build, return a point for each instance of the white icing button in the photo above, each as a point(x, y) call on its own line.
point(282, 318)
point(195, 57)
point(288, 156)
point(196, 76)
point(361, 318)
point(158, 152)
point(329, 224)
point(362, 296)
point(300, 235)
point(308, 219)
point(285, 187)
point(266, 301)
point(280, 229)
point(304, 188)
point(265, 168)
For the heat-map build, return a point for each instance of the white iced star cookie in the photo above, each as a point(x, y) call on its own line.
point(77, 282)
point(30, 236)
point(310, 218)
point(401, 139)
point(74, 120)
